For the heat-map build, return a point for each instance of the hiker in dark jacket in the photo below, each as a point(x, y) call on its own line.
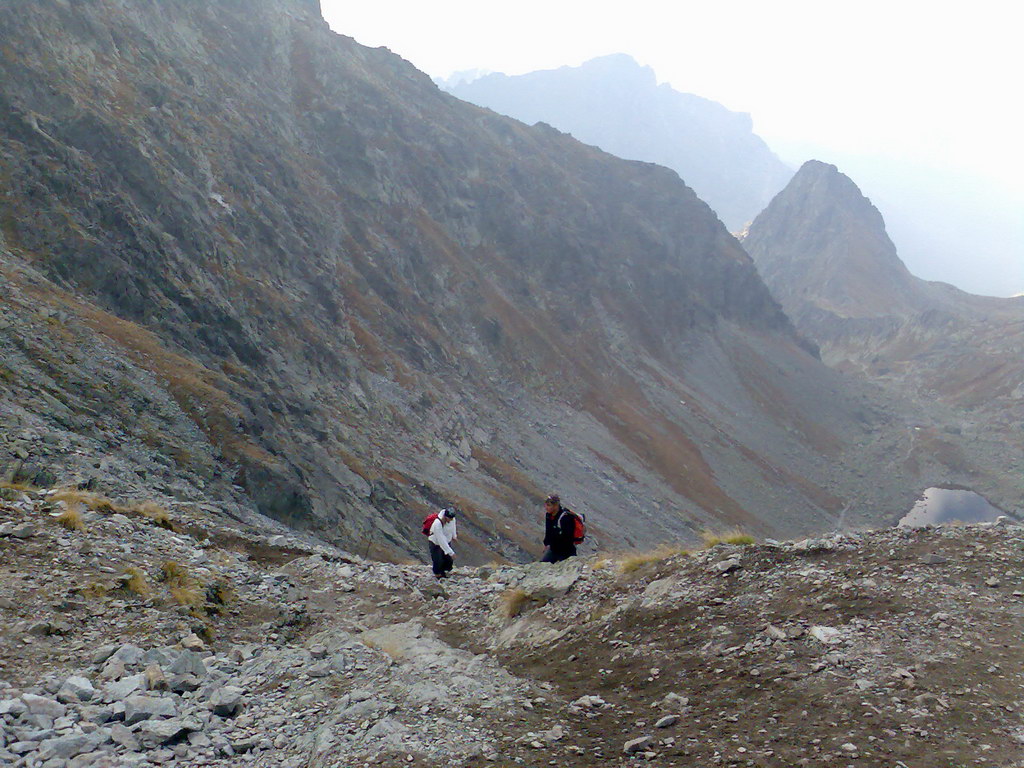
point(559, 531)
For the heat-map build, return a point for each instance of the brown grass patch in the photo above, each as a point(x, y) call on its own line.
point(635, 561)
point(134, 581)
point(73, 497)
point(174, 573)
point(512, 602)
point(189, 595)
point(733, 536)
point(71, 518)
point(155, 514)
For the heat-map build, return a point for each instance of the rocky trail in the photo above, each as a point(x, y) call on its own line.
point(132, 637)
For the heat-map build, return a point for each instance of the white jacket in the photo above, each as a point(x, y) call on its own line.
point(443, 533)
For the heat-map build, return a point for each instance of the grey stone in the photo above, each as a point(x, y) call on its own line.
point(666, 721)
point(227, 701)
point(138, 708)
point(183, 683)
point(546, 582)
point(96, 714)
point(76, 689)
point(119, 734)
point(933, 559)
point(103, 653)
point(121, 689)
point(637, 745)
point(15, 707)
point(40, 705)
point(160, 732)
point(129, 654)
point(188, 663)
point(65, 747)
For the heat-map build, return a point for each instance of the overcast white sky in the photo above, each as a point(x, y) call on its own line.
point(919, 102)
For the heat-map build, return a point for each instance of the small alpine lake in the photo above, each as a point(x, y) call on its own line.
point(946, 505)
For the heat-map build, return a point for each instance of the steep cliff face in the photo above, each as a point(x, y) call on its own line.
point(617, 105)
point(371, 298)
point(823, 250)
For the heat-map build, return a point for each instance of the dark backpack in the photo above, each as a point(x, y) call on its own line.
point(428, 521)
point(579, 521)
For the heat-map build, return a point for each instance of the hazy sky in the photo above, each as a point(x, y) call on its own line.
point(917, 101)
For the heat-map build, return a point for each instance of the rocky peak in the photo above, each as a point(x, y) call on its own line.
point(820, 241)
point(822, 248)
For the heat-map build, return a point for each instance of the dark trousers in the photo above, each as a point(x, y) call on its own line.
point(558, 554)
point(441, 562)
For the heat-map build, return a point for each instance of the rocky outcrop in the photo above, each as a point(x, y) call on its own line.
point(311, 284)
point(618, 105)
point(823, 250)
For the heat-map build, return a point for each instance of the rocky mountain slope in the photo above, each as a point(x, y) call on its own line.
point(250, 263)
point(616, 104)
point(131, 639)
point(823, 250)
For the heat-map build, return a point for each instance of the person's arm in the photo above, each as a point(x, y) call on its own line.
point(455, 530)
point(437, 536)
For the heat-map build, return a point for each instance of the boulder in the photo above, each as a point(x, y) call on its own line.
point(40, 705)
point(227, 701)
point(138, 708)
point(76, 689)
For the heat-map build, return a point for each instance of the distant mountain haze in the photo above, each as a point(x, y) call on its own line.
point(618, 105)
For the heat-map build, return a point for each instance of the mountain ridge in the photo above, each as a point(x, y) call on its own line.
point(372, 299)
point(616, 104)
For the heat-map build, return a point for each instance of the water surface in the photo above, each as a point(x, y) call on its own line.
point(947, 505)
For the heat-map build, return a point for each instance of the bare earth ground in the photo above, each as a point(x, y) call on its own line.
point(888, 648)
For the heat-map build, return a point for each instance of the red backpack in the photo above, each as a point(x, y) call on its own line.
point(579, 531)
point(428, 521)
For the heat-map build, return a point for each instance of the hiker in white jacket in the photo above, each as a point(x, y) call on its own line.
point(442, 534)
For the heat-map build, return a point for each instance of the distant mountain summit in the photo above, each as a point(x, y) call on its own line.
point(617, 105)
point(822, 249)
point(820, 244)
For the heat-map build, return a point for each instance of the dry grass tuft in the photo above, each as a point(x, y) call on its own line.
point(134, 581)
point(734, 536)
point(189, 595)
point(175, 574)
point(22, 487)
point(94, 590)
point(155, 514)
point(637, 560)
point(512, 602)
point(71, 518)
point(73, 497)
